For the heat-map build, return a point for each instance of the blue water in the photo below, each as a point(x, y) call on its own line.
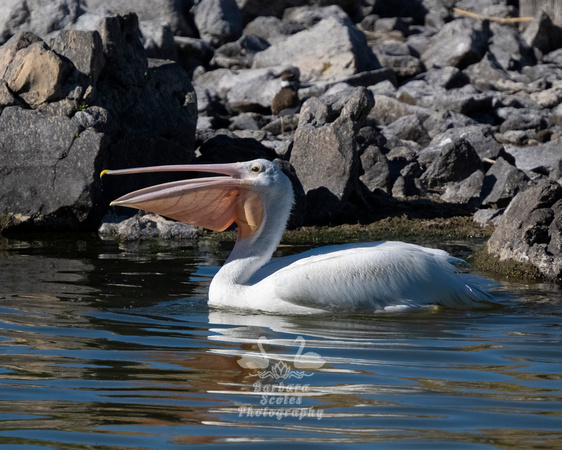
point(107, 345)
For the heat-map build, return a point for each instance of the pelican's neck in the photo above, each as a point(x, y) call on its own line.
point(250, 254)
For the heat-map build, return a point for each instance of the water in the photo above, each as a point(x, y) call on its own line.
point(112, 346)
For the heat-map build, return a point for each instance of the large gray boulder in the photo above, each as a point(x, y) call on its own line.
point(331, 50)
point(530, 231)
point(48, 168)
point(325, 154)
point(106, 106)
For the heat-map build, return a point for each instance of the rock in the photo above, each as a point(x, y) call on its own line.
point(330, 50)
point(254, 90)
point(549, 98)
point(502, 182)
point(255, 8)
point(193, 52)
point(164, 117)
point(366, 79)
point(545, 159)
point(405, 185)
point(50, 171)
point(272, 29)
point(40, 17)
point(145, 226)
point(481, 138)
point(240, 54)
point(6, 97)
point(374, 172)
point(125, 57)
point(487, 73)
point(227, 148)
point(508, 48)
point(486, 217)
point(375, 23)
point(218, 21)
point(36, 74)
point(408, 128)
point(308, 16)
point(464, 101)
point(400, 8)
point(465, 191)
point(157, 39)
point(530, 230)
point(459, 43)
point(424, 89)
point(397, 56)
point(114, 115)
point(384, 88)
point(556, 115)
point(455, 162)
point(542, 34)
point(441, 121)
point(522, 119)
point(388, 109)
point(84, 49)
point(9, 50)
point(171, 12)
point(324, 153)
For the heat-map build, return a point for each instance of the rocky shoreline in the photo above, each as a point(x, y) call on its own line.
point(421, 111)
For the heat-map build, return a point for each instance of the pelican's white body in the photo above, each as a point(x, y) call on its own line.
point(377, 276)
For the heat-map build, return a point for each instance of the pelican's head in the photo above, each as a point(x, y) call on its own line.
point(248, 190)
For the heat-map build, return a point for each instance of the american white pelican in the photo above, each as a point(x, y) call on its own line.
point(376, 276)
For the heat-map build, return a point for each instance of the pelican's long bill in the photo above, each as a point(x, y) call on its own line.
point(213, 203)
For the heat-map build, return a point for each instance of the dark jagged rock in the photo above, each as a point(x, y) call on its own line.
point(502, 182)
point(455, 162)
point(375, 171)
point(530, 230)
point(324, 153)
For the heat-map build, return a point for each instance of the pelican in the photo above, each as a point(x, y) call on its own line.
point(258, 197)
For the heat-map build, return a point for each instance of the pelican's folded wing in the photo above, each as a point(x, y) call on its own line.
point(386, 276)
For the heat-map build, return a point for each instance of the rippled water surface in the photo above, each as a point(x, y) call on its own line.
point(106, 345)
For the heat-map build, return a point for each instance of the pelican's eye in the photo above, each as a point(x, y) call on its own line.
point(256, 168)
